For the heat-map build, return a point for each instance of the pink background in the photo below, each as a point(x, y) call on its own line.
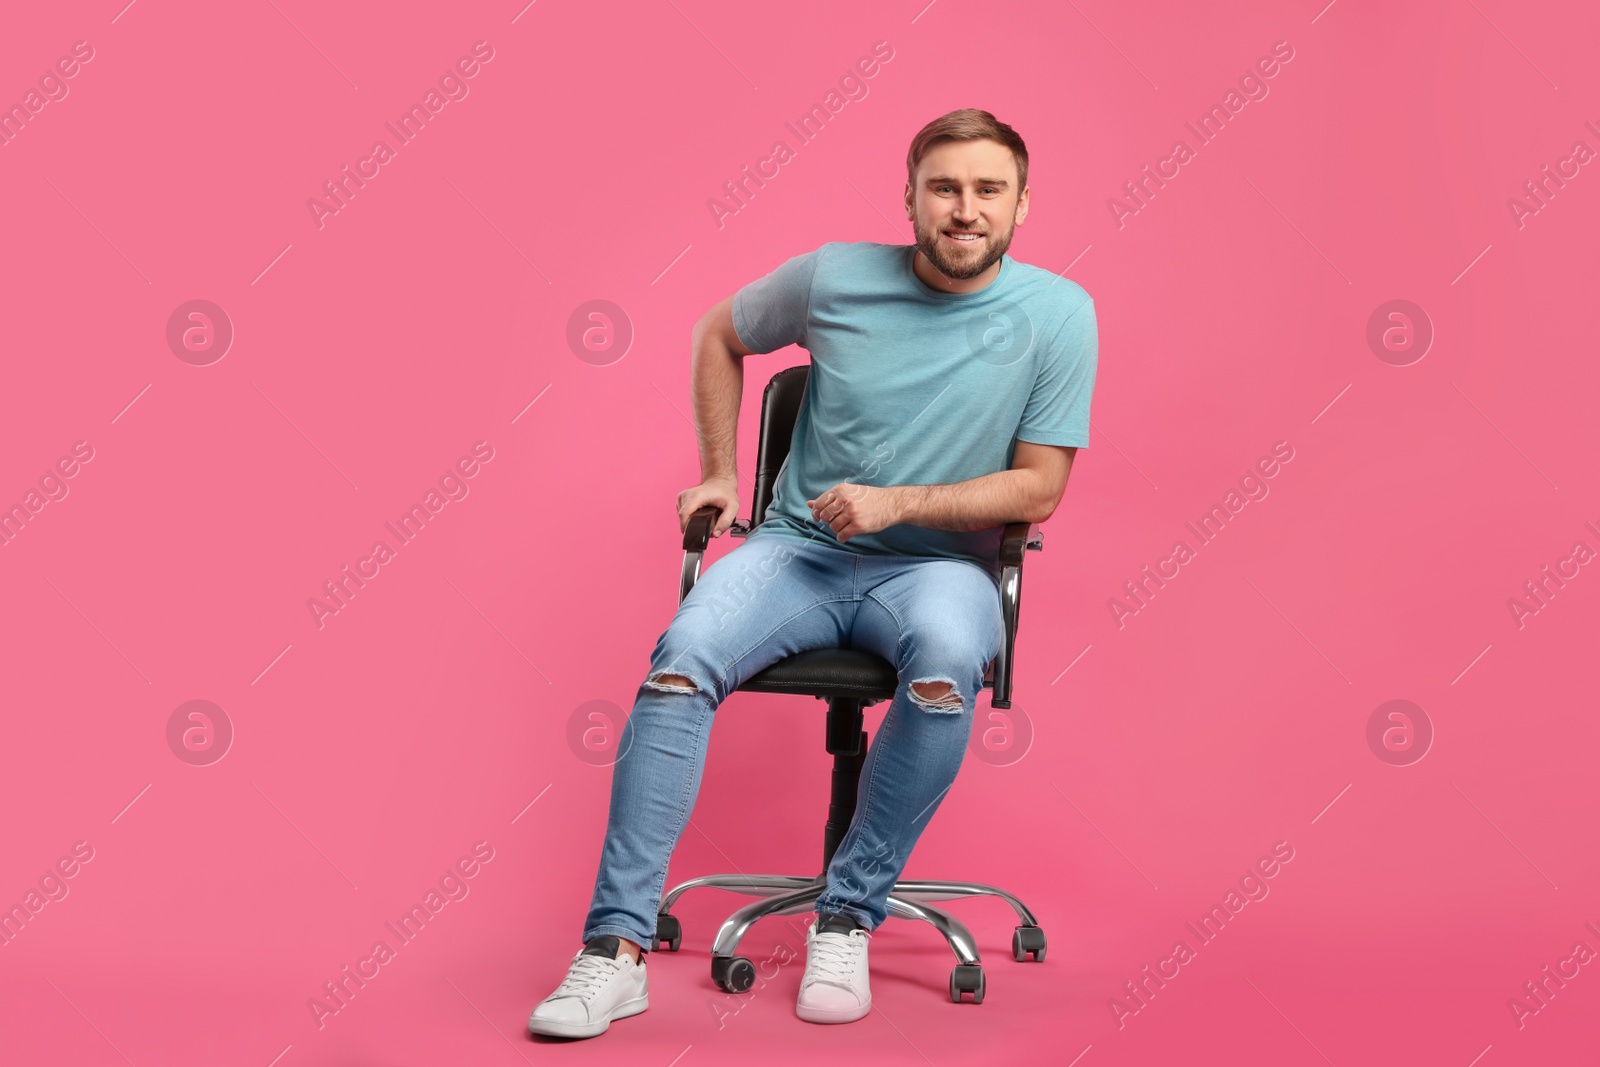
point(369, 354)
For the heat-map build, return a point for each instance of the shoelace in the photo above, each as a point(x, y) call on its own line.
point(588, 974)
point(832, 955)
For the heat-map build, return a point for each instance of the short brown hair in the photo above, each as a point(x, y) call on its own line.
point(968, 124)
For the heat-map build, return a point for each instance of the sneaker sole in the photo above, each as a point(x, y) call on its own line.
point(832, 1015)
point(550, 1028)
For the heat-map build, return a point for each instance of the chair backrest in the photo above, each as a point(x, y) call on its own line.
point(780, 406)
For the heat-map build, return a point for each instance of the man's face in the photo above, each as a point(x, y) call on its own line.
point(964, 206)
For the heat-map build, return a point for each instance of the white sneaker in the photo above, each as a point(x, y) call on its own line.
point(834, 988)
point(603, 983)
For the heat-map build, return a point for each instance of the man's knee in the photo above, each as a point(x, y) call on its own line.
point(936, 695)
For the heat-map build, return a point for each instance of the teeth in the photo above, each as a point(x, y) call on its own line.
point(964, 236)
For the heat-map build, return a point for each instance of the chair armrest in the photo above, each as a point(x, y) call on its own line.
point(696, 536)
point(1015, 541)
point(1016, 537)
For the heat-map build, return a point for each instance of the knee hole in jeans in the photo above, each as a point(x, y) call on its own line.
point(936, 694)
point(671, 683)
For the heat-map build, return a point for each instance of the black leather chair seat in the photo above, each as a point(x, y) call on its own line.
point(828, 672)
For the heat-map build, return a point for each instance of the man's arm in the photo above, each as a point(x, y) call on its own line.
point(1028, 492)
point(717, 379)
point(717, 382)
point(774, 311)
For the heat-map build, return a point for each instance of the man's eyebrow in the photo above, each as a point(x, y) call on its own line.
point(1000, 183)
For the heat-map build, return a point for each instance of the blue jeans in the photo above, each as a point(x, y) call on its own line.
point(936, 620)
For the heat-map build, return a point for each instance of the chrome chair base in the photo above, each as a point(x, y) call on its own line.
point(781, 894)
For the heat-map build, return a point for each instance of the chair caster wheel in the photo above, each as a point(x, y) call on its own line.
point(735, 974)
point(669, 932)
point(967, 978)
point(1026, 939)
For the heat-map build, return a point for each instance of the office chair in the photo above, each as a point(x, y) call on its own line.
point(848, 680)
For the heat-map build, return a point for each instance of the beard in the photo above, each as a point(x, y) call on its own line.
point(961, 263)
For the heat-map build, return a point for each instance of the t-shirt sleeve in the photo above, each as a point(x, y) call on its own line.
point(771, 312)
point(1057, 412)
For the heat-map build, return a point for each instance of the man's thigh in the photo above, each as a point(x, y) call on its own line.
point(933, 618)
point(772, 596)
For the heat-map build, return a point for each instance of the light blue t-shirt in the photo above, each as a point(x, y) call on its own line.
point(911, 386)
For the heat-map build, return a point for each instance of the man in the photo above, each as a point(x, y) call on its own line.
point(949, 391)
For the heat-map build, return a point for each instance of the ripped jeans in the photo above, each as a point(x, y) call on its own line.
point(936, 620)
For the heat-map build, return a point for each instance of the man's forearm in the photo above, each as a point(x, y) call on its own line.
point(717, 378)
point(975, 504)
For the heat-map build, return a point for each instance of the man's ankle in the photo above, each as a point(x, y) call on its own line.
point(630, 947)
